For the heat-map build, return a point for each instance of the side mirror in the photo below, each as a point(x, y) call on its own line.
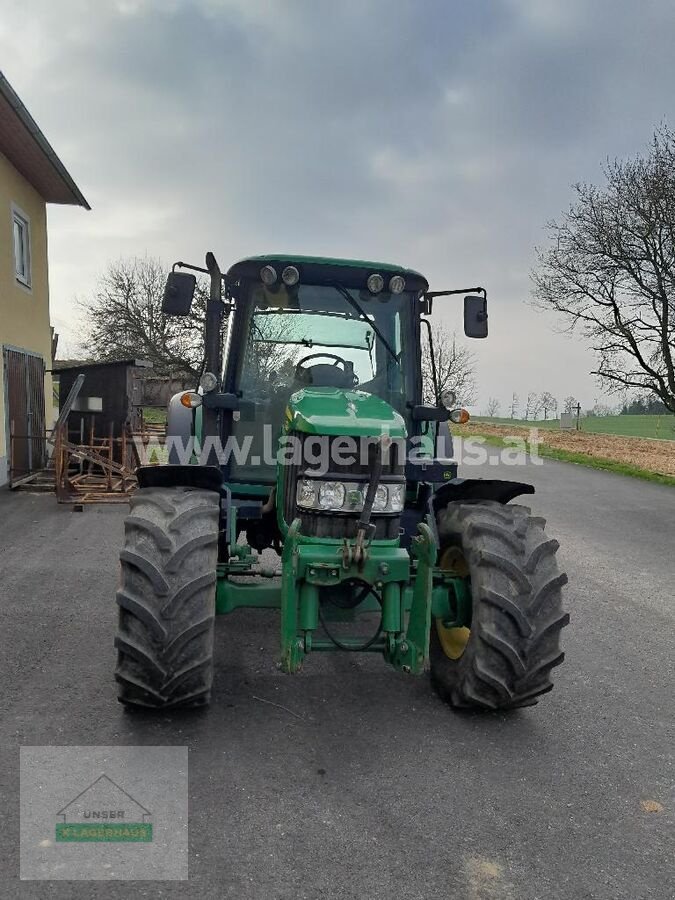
point(475, 316)
point(178, 294)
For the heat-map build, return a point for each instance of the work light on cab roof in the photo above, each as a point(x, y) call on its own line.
point(290, 276)
point(375, 283)
point(268, 275)
point(397, 284)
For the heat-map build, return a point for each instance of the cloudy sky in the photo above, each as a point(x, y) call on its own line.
point(435, 133)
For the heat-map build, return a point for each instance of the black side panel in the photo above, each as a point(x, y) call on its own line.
point(467, 489)
point(434, 471)
point(208, 477)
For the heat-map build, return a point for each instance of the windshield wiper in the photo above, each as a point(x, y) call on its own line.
point(362, 315)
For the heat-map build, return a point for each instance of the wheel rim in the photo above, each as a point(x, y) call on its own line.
point(453, 641)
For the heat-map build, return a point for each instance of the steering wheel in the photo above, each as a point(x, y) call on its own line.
point(325, 375)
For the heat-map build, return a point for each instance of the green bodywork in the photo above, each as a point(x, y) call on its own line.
point(333, 411)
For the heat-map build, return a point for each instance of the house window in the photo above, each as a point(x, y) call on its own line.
point(21, 248)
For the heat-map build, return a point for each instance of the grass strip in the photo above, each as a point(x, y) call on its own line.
point(580, 459)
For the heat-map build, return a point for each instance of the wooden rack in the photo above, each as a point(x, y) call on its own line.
point(102, 470)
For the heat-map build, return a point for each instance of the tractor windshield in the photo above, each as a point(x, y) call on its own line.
point(283, 338)
point(296, 334)
point(312, 335)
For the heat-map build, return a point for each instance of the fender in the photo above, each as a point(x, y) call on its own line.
point(179, 425)
point(479, 489)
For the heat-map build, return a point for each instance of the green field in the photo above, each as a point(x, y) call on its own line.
point(154, 415)
point(662, 426)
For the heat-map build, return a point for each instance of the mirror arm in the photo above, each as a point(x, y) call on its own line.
point(473, 290)
point(214, 318)
point(429, 413)
point(184, 265)
point(216, 400)
point(227, 281)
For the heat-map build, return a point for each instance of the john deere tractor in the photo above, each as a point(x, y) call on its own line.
point(307, 441)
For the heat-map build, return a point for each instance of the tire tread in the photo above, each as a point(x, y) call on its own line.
point(518, 614)
point(166, 598)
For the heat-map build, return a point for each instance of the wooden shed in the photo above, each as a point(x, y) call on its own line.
point(119, 386)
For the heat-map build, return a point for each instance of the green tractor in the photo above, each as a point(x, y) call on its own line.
point(308, 436)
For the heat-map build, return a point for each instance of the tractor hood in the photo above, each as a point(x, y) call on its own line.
point(327, 410)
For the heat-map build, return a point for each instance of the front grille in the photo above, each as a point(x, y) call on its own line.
point(341, 524)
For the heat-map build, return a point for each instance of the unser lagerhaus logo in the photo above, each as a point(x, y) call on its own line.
point(104, 812)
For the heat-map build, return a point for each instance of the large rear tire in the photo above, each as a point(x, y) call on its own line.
point(504, 660)
point(167, 598)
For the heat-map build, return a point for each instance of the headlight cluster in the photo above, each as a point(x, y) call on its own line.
point(348, 496)
point(375, 283)
point(291, 276)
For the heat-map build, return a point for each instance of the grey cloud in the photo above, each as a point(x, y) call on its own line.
point(441, 134)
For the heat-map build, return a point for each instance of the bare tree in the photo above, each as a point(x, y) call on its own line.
point(549, 404)
point(570, 404)
point(455, 368)
point(600, 410)
point(124, 320)
point(532, 405)
point(515, 405)
point(493, 407)
point(610, 271)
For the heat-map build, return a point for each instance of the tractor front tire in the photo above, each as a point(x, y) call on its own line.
point(504, 659)
point(167, 598)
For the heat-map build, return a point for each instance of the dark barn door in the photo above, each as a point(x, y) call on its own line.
point(25, 409)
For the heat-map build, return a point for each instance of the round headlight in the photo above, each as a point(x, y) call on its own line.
point(305, 494)
point(381, 499)
point(290, 276)
point(268, 275)
point(448, 399)
point(375, 283)
point(396, 497)
point(397, 284)
point(331, 495)
point(208, 382)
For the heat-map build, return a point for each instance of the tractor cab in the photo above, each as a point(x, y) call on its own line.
point(323, 328)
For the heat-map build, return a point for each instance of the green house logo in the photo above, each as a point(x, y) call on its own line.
point(104, 812)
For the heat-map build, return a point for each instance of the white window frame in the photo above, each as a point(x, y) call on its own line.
point(21, 219)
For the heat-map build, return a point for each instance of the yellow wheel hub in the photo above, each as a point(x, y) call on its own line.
point(453, 640)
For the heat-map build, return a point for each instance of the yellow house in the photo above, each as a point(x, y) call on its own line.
point(31, 175)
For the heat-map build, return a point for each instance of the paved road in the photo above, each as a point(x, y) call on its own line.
point(379, 790)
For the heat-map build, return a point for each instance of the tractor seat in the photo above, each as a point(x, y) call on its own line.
point(325, 375)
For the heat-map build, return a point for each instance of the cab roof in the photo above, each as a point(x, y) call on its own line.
point(319, 269)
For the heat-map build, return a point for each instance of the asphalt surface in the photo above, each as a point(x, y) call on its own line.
point(366, 785)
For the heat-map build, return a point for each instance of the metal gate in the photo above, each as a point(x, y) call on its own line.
point(25, 408)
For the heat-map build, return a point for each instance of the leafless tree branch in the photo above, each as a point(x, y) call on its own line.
point(609, 271)
point(455, 368)
point(123, 319)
